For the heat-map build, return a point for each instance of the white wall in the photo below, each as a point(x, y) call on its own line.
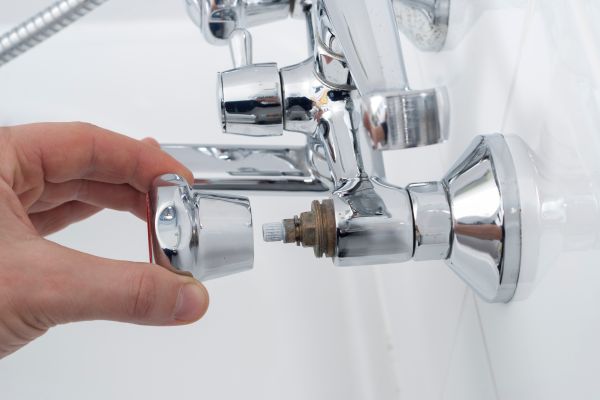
point(297, 328)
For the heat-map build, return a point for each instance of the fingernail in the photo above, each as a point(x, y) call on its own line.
point(191, 303)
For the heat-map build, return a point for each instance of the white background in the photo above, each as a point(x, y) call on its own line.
point(297, 328)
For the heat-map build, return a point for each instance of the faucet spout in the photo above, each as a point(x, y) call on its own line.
point(396, 116)
point(255, 168)
point(368, 34)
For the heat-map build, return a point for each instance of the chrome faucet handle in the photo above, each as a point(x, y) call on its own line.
point(251, 100)
point(219, 19)
point(197, 233)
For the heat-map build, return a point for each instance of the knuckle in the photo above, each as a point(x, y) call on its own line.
point(83, 126)
point(83, 190)
point(144, 292)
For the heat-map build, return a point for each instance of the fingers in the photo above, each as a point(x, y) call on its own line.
point(99, 194)
point(54, 220)
point(73, 286)
point(70, 151)
point(152, 142)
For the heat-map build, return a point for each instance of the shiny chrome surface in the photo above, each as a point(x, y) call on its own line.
point(240, 47)
point(432, 220)
point(329, 61)
point(368, 34)
point(251, 100)
point(486, 219)
point(351, 99)
point(305, 96)
point(471, 219)
point(365, 35)
point(266, 168)
point(424, 22)
point(218, 19)
point(374, 224)
point(205, 235)
point(407, 118)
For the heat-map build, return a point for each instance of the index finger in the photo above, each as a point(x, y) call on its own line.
point(75, 150)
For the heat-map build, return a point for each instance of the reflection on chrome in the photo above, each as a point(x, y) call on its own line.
point(351, 100)
point(205, 235)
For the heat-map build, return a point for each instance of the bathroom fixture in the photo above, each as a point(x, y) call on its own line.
point(205, 235)
point(470, 219)
point(351, 99)
point(425, 22)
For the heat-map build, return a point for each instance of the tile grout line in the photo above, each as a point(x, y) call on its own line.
point(513, 84)
point(385, 314)
point(487, 351)
point(461, 313)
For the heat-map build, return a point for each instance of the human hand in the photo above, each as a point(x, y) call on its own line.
point(52, 175)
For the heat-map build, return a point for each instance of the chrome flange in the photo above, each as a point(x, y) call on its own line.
point(486, 219)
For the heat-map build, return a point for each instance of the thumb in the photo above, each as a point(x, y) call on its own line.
point(77, 286)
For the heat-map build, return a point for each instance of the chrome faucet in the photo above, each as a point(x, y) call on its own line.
point(351, 99)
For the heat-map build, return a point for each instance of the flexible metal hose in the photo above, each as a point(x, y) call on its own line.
point(43, 25)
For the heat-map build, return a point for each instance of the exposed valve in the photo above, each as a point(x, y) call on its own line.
point(471, 219)
point(315, 228)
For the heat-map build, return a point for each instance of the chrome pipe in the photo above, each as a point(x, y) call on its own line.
point(351, 100)
point(368, 34)
point(256, 168)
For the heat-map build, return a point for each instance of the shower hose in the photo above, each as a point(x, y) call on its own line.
point(43, 25)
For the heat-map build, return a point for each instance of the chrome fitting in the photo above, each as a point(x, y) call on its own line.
point(432, 219)
point(471, 219)
point(218, 19)
point(404, 119)
point(196, 233)
point(486, 218)
point(424, 22)
point(251, 101)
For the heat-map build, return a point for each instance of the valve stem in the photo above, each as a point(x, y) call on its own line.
point(315, 228)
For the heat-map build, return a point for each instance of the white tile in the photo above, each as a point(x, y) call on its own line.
point(424, 300)
point(544, 345)
point(469, 373)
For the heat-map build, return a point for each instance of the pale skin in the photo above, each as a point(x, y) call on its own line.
point(53, 175)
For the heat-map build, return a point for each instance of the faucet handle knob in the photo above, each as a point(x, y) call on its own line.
point(251, 100)
point(405, 118)
point(197, 233)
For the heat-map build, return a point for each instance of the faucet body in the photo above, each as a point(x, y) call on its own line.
point(350, 99)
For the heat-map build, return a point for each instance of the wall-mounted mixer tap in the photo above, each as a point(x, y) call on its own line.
point(471, 219)
point(350, 99)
